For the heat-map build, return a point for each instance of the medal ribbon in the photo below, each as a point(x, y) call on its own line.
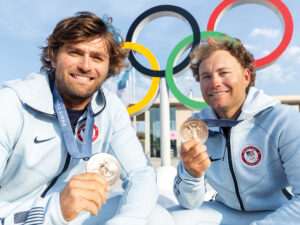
point(220, 123)
point(66, 128)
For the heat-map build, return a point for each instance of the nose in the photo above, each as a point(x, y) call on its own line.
point(84, 64)
point(215, 81)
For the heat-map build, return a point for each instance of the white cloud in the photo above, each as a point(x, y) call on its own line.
point(293, 54)
point(250, 47)
point(265, 52)
point(267, 32)
point(275, 73)
point(142, 85)
point(293, 51)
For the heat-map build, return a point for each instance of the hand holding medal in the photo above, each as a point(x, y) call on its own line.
point(195, 160)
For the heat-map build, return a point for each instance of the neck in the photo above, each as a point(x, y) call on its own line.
point(228, 115)
point(231, 112)
point(76, 103)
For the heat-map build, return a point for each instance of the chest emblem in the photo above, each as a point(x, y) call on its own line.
point(251, 155)
point(81, 129)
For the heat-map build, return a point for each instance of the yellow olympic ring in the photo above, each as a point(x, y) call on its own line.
point(153, 90)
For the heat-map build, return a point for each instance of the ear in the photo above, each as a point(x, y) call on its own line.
point(53, 64)
point(247, 77)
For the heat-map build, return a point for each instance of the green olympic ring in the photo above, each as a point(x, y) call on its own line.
point(182, 46)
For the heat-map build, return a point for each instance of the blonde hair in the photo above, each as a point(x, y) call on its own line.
point(235, 48)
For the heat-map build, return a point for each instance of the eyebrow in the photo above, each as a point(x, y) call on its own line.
point(203, 73)
point(92, 53)
point(223, 68)
point(218, 70)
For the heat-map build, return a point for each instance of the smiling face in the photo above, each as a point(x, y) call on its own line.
point(80, 70)
point(223, 83)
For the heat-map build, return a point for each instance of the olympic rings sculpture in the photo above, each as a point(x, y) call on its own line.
point(277, 6)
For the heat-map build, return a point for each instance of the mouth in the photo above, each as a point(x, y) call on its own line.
point(81, 77)
point(219, 93)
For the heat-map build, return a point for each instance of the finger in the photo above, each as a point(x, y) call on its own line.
point(92, 196)
point(91, 207)
point(186, 146)
point(192, 160)
point(195, 151)
point(89, 185)
point(200, 158)
point(102, 193)
point(93, 177)
point(201, 166)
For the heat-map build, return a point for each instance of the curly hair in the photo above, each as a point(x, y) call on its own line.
point(234, 47)
point(85, 26)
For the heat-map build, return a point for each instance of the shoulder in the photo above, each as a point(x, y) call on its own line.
point(206, 113)
point(9, 98)
point(282, 121)
point(114, 105)
point(281, 112)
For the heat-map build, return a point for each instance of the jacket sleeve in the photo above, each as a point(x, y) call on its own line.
point(188, 190)
point(139, 178)
point(289, 150)
point(34, 208)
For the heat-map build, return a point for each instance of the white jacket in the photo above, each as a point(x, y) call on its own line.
point(33, 153)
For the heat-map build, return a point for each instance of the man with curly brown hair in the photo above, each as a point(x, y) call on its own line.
point(251, 155)
point(53, 123)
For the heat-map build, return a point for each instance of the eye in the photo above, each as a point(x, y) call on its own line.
point(98, 58)
point(73, 52)
point(205, 76)
point(224, 72)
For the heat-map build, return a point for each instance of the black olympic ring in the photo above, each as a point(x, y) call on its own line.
point(146, 17)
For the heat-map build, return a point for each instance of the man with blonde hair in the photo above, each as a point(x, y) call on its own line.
point(252, 152)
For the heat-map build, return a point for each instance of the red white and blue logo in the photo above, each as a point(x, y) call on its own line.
point(81, 130)
point(251, 155)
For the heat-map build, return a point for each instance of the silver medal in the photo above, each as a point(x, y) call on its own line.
point(193, 128)
point(106, 165)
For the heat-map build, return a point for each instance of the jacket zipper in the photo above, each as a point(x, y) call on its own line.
point(237, 192)
point(67, 162)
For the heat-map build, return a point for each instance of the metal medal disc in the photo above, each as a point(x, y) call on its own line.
point(194, 128)
point(106, 165)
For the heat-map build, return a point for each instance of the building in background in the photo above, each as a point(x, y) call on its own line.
point(147, 124)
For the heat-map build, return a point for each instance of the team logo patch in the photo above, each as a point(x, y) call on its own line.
point(251, 155)
point(81, 130)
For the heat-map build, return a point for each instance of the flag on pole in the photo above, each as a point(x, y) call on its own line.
point(123, 81)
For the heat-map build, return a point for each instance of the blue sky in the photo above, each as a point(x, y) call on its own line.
point(25, 25)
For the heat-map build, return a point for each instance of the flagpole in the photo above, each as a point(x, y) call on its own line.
point(165, 147)
point(129, 88)
point(133, 86)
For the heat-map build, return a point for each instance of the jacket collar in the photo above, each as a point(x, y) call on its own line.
point(256, 102)
point(34, 91)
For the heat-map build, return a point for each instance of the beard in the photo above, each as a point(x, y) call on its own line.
point(65, 88)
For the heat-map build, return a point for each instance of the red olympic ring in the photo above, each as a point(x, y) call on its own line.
point(279, 5)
